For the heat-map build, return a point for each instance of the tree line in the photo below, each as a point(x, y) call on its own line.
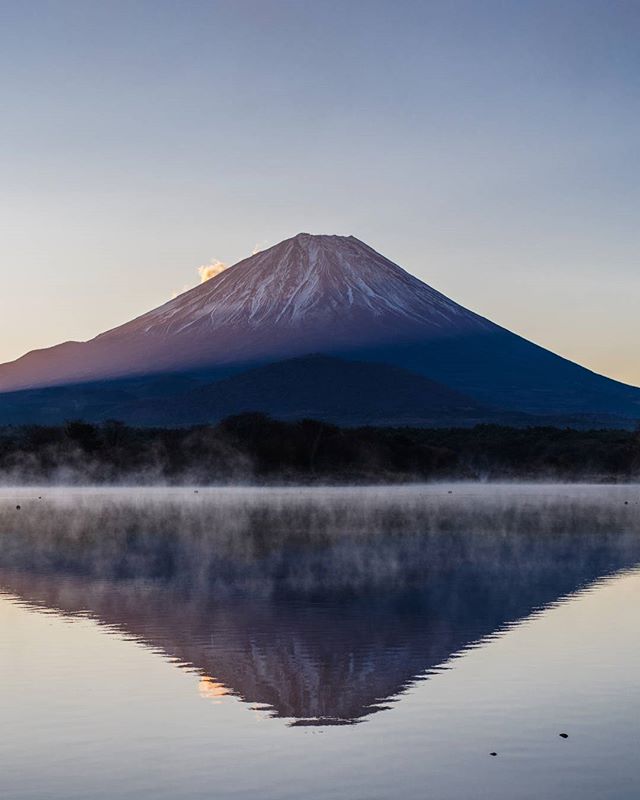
point(257, 448)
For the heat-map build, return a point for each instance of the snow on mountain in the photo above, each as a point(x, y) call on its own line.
point(308, 280)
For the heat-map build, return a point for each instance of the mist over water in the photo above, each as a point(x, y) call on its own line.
point(270, 541)
point(323, 609)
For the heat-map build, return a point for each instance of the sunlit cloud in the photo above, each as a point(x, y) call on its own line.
point(215, 267)
point(210, 270)
point(205, 272)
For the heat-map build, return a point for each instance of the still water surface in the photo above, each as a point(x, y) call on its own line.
point(340, 676)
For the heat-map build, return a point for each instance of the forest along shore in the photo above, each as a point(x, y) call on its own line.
point(254, 448)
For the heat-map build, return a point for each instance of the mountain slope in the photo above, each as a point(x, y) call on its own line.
point(336, 296)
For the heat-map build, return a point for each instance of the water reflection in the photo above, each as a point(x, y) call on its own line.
point(340, 635)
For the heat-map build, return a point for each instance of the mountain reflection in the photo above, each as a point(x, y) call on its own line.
point(333, 654)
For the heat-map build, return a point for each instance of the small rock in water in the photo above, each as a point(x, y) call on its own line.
point(564, 735)
point(17, 508)
point(493, 754)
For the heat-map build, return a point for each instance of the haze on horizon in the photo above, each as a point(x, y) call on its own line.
point(493, 155)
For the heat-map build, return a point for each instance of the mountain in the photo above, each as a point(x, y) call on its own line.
point(329, 295)
point(307, 294)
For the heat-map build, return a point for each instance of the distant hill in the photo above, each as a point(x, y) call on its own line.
point(318, 387)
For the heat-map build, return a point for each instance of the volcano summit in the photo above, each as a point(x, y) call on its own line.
point(307, 296)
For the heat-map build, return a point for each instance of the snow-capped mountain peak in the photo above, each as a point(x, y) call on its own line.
point(305, 281)
point(308, 294)
point(331, 296)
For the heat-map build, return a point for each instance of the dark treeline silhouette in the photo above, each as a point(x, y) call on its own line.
point(256, 448)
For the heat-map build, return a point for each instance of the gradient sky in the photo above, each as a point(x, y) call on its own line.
point(491, 148)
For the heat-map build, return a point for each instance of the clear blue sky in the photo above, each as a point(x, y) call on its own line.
point(491, 148)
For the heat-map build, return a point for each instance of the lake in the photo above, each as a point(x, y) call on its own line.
point(325, 643)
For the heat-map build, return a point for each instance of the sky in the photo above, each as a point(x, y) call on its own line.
point(490, 148)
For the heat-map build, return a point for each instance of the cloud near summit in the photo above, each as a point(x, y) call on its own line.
point(210, 270)
point(206, 272)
